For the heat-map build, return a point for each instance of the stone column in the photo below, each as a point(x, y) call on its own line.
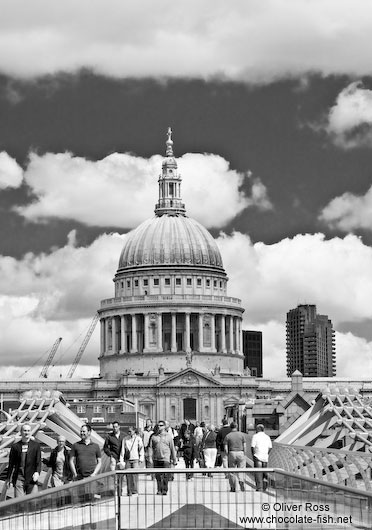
point(174, 330)
point(223, 334)
point(187, 332)
point(146, 331)
point(240, 336)
point(106, 335)
point(213, 334)
point(160, 332)
point(231, 335)
point(134, 347)
point(212, 411)
point(200, 332)
point(123, 335)
point(102, 324)
point(236, 335)
point(114, 336)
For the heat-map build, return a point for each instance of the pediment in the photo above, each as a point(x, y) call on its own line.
point(231, 400)
point(191, 378)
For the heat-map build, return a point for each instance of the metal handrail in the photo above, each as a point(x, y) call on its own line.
point(50, 491)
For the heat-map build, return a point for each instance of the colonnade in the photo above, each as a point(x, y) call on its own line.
point(171, 332)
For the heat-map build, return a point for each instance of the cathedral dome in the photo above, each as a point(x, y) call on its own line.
point(170, 240)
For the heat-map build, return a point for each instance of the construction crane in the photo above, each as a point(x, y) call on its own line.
point(83, 346)
point(44, 371)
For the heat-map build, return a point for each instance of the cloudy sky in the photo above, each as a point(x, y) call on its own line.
point(270, 102)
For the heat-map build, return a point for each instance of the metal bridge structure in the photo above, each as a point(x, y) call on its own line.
point(319, 478)
point(49, 416)
point(331, 441)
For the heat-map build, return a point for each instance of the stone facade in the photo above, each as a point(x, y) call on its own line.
point(171, 309)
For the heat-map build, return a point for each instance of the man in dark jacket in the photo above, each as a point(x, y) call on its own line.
point(188, 450)
point(225, 429)
point(112, 445)
point(24, 464)
point(187, 426)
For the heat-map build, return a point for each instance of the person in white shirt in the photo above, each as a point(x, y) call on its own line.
point(198, 435)
point(146, 435)
point(131, 456)
point(261, 446)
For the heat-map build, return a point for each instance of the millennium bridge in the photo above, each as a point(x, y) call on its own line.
point(319, 478)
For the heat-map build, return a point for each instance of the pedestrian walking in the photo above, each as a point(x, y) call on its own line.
point(162, 455)
point(24, 464)
point(188, 448)
point(85, 455)
point(225, 429)
point(112, 445)
point(209, 447)
point(131, 456)
point(261, 446)
point(146, 435)
point(169, 429)
point(199, 447)
point(59, 462)
point(235, 447)
point(187, 426)
point(198, 434)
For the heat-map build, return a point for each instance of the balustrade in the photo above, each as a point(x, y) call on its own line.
point(351, 468)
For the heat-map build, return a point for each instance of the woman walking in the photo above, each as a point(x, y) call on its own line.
point(131, 455)
point(209, 447)
point(59, 461)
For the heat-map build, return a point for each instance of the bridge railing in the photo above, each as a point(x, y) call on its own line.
point(348, 468)
point(92, 501)
point(194, 499)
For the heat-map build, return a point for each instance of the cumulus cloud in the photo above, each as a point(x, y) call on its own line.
point(46, 296)
point(67, 283)
point(349, 212)
point(241, 40)
point(335, 274)
point(348, 348)
point(350, 119)
point(11, 174)
point(107, 192)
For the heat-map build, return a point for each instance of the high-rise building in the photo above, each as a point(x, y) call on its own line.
point(252, 351)
point(310, 343)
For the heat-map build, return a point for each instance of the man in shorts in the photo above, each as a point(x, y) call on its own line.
point(261, 446)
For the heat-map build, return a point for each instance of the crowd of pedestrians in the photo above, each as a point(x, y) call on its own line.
point(158, 446)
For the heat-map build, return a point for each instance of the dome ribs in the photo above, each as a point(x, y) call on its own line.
point(170, 240)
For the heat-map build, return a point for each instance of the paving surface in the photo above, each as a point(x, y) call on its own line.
point(202, 502)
